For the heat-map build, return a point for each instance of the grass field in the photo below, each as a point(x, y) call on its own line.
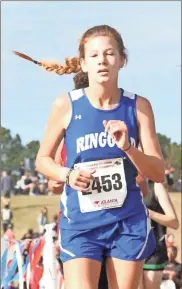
point(26, 210)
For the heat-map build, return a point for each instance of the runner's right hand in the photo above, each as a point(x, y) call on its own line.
point(79, 180)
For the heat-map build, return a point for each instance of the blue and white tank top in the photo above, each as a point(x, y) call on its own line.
point(114, 194)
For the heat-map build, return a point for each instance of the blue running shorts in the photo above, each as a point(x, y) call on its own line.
point(130, 239)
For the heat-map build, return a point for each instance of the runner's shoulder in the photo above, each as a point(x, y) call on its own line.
point(61, 100)
point(143, 101)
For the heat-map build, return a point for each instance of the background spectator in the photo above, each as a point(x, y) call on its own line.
point(30, 234)
point(173, 269)
point(179, 185)
point(42, 219)
point(22, 168)
point(6, 216)
point(6, 186)
point(169, 173)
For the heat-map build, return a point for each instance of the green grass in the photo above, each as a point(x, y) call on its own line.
point(27, 208)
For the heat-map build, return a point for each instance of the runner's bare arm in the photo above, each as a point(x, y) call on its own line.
point(149, 163)
point(54, 186)
point(141, 181)
point(169, 219)
point(59, 118)
point(57, 157)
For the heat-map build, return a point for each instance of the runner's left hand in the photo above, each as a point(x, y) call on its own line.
point(55, 187)
point(119, 132)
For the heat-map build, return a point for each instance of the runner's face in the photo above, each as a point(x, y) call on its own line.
point(102, 59)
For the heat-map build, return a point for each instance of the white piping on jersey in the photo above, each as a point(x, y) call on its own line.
point(148, 227)
point(129, 94)
point(146, 210)
point(162, 238)
point(64, 203)
point(146, 239)
point(76, 94)
point(64, 250)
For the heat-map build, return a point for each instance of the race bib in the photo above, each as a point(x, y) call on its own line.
point(108, 189)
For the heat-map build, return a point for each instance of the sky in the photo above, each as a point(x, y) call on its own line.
point(51, 30)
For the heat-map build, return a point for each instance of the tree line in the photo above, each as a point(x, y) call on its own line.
point(12, 151)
